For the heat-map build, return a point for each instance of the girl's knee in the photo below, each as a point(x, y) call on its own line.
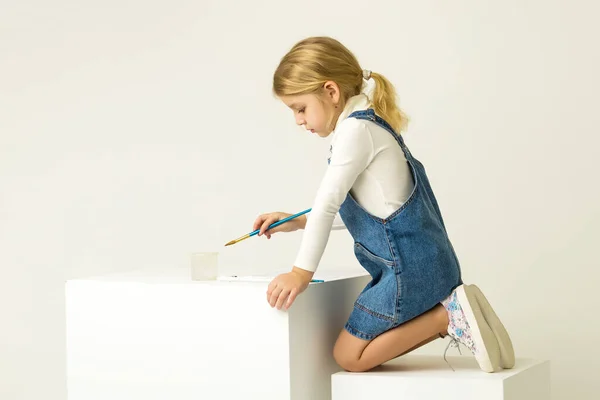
point(346, 359)
point(339, 356)
point(348, 350)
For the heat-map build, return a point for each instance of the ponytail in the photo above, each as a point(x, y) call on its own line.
point(384, 103)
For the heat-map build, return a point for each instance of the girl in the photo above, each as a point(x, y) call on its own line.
point(383, 196)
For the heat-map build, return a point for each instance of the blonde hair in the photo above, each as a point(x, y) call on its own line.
point(316, 60)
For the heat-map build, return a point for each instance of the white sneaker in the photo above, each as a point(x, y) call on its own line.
point(507, 353)
point(467, 326)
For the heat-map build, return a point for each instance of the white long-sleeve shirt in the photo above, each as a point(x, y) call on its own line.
point(366, 161)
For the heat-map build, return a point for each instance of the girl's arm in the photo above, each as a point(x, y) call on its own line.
point(338, 224)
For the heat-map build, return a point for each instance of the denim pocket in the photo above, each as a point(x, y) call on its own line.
point(379, 297)
point(360, 250)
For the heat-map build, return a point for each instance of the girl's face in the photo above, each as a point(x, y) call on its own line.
point(317, 113)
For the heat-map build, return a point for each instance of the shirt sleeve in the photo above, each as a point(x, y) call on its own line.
point(338, 223)
point(350, 156)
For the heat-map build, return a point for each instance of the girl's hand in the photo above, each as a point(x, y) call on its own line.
point(265, 220)
point(284, 288)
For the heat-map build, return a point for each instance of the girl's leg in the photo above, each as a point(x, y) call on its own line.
point(423, 343)
point(357, 355)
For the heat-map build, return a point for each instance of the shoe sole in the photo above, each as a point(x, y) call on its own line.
point(488, 350)
point(507, 353)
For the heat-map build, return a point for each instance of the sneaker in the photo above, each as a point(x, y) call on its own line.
point(467, 326)
point(507, 353)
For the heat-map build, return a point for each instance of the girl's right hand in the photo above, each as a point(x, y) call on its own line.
point(265, 220)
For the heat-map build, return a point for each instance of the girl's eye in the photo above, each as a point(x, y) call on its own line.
point(301, 110)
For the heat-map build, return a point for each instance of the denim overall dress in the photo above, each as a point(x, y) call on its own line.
point(409, 256)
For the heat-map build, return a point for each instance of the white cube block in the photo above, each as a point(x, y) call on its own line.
point(159, 335)
point(419, 377)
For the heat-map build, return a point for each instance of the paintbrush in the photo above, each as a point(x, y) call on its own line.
point(270, 226)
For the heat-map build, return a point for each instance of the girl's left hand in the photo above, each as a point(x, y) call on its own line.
point(284, 288)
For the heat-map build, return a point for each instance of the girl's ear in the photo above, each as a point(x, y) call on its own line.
point(332, 91)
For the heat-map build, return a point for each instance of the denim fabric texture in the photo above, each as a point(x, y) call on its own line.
point(409, 256)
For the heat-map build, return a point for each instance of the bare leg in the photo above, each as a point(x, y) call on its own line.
point(423, 343)
point(354, 354)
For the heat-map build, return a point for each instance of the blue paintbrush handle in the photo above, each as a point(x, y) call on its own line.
point(282, 221)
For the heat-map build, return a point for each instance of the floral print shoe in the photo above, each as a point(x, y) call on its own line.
point(467, 326)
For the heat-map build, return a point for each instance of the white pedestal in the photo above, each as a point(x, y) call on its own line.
point(160, 335)
point(415, 377)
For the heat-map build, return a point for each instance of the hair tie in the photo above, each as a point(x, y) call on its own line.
point(366, 74)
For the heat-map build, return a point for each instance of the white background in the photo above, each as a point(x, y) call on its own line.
point(133, 133)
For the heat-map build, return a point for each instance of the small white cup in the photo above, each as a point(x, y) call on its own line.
point(204, 266)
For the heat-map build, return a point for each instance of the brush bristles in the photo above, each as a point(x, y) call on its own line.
point(234, 241)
